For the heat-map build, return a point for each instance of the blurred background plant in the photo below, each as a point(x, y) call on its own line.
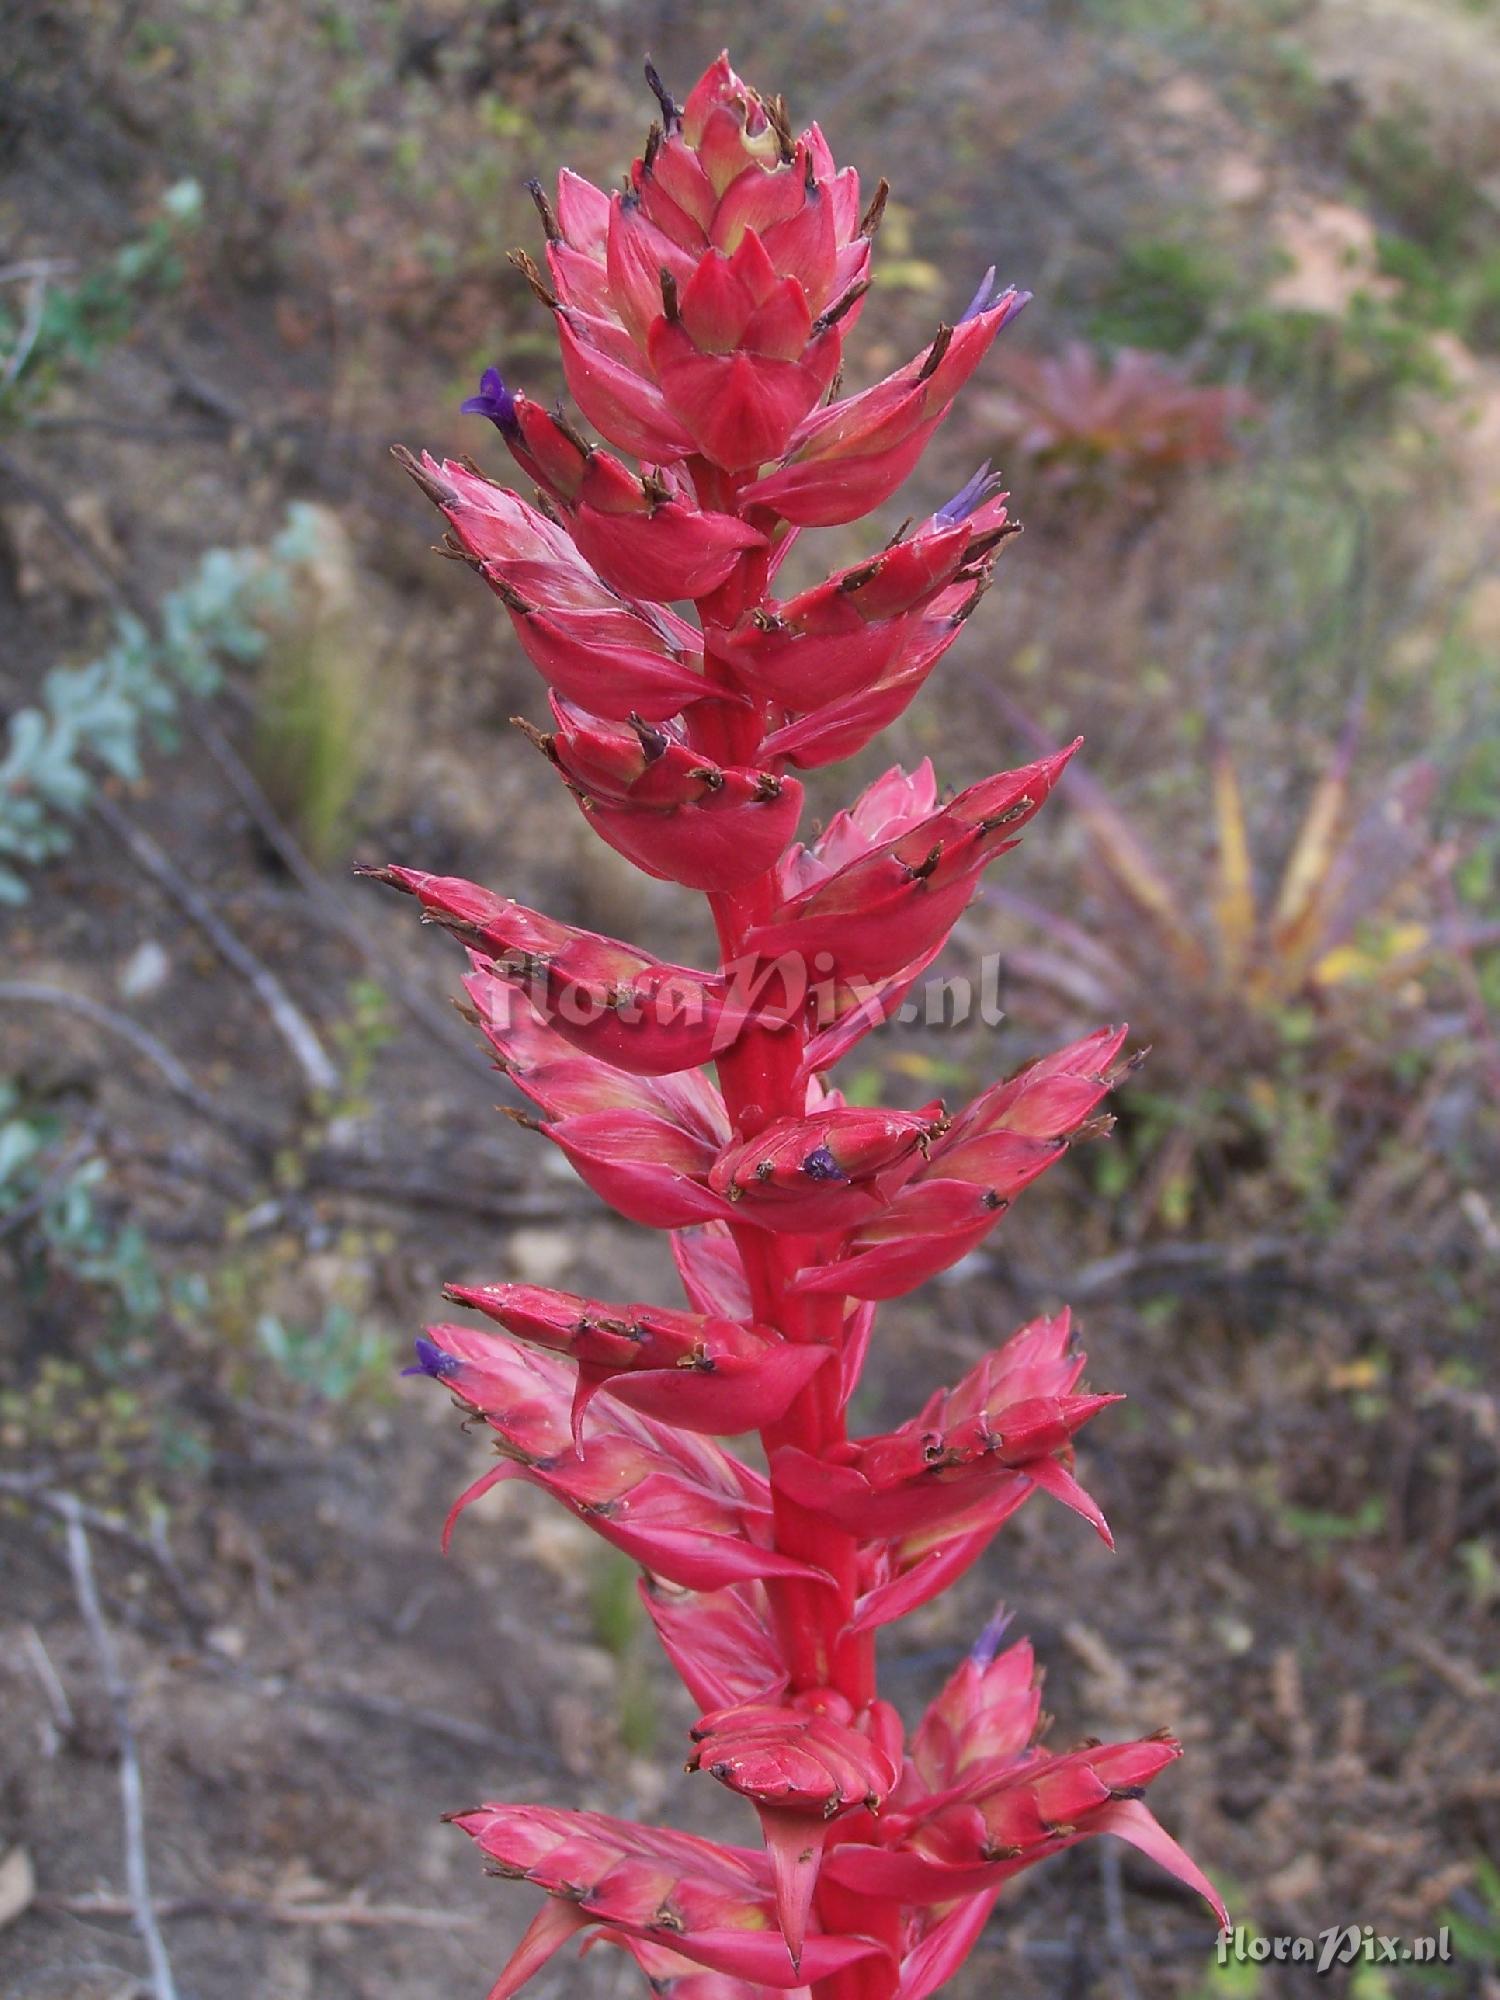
point(96, 720)
point(1252, 424)
point(1125, 424)
point(1292, 1019)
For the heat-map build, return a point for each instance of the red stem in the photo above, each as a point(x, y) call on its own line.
point(761, 1078)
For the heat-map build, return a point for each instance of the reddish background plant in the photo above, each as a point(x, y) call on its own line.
point(1131, 422)
point(701, 316)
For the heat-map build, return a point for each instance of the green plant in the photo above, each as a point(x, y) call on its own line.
point(622, 1628)
point(1163, 295)
point(1462, 296)
point(364, 1030)
point(60, 327)
point(339, 1359)
point(1393, 158)
point(51, 1184)
point(1473, 1922)
point(81, 1270)
point(1276, 1004)
point(315, 702)
point(98, 717)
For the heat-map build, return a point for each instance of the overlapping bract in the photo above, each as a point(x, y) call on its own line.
point(703, 311)
point(1004, 1426)
point(981, 1799)
point(701, 315)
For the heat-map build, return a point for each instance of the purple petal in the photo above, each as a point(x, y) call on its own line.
point(987, 1645)
point(971, 495)
point(984, 298)
point(493, 401)
point(432, 1360)
point(989, 296)
point(820, 1165)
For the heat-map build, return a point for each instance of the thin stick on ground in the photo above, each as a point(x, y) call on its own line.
point(286, 1016)
point(1121, 1951)
point(68, 1507)
point(132, 1794)
point(428, 1014)
point(49, 1679)
point(31, 326)
point(33, 993)
point(266, 1910)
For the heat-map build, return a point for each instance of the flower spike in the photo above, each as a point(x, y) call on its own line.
point(701, 314)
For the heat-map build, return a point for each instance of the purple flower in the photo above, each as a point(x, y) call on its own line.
point(432, 1360)
point(987, 1645)
point(493, 401)
point(820, 1165)
point(971, 495)
point(989, 295)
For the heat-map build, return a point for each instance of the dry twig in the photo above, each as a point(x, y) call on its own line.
point(287, 1017)
point(267, 1910)
point(1451, 1668)
point(427, 1013)
point(31, 326)
point(67, 1507)
point(29, 992)
point(49, 1679)
point(141, 1909)
point(1122, 1951)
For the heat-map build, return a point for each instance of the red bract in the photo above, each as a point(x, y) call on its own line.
point(877, 913)
point(853, 455)
point(660, 802)
point(1010, 1419)
point(701, 314)
point(812, 1174)
point(872, 622)
point(689, 1369)
point(994, 1148)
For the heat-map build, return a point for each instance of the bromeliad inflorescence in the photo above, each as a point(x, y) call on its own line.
point(702, 315)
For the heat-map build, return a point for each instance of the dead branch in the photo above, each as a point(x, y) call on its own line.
point(68, 1507)
point(31, 326)
point(373, 1180)
point(49, 1680)
point(1266, 1260)
point(27, 992)
point(26, 268)
point(284, 1688)
point(142, 1910)
point(457, 1728)
point(1122, 1952)
point(286, 1016)
point(241, 780)
point(1451, 1668)
point(120, 588)
point(266, 1910)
